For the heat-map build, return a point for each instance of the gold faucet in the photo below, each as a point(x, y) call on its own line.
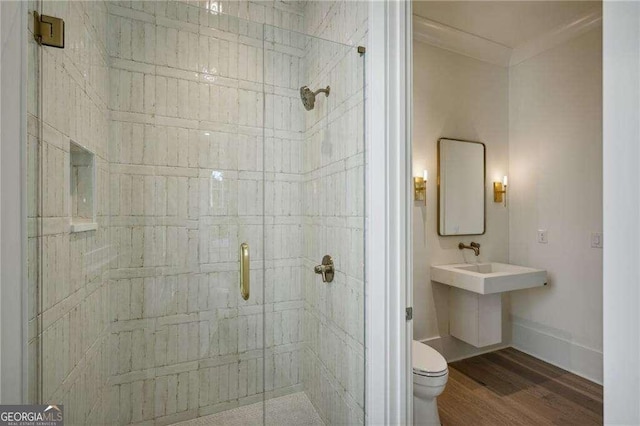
point(473, 246)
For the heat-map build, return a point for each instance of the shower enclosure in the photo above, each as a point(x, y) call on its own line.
point(170, 144)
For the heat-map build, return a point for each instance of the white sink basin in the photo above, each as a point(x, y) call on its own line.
point(488, 278)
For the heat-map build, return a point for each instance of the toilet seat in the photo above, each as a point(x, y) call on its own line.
point(427, 362)
point(430, 374)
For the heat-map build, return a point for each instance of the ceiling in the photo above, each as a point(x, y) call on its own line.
point(510, 23)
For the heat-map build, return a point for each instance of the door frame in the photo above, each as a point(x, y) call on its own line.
point(621, 211)
point(388, 193)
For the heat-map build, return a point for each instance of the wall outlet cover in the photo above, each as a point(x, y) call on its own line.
point(596, 240)
point(542, 236)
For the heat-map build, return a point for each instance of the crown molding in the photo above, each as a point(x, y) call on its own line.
point(455, 40)
point(574, 28)
point(473, 46)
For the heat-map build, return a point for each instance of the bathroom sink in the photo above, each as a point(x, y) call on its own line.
point(488, 278)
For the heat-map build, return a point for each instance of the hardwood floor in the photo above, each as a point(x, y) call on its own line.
point(508, 387)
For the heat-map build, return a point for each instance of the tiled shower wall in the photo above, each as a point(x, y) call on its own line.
point(187, 173)
point(71, 267)
point(334, 211)
point(169, 96)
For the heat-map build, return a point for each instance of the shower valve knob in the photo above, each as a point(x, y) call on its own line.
point(325, 269)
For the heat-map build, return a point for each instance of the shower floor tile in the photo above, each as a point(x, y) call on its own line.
point(289, 410)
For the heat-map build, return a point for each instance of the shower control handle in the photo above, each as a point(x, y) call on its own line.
point(325, 269)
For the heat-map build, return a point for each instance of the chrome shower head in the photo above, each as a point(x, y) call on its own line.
point(309, 98)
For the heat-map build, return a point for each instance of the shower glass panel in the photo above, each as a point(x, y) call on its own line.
point(68, 272)
point(199, 142)
point(314, 206)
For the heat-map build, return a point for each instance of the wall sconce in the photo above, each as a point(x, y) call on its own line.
point(500, 191)
point(420, 187)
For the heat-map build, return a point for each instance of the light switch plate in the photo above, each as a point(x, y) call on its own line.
point(542, 236)
point(596, 240)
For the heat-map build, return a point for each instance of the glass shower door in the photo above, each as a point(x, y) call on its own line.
point(187, 185)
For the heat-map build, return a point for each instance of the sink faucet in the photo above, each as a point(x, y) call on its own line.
point(473, 246)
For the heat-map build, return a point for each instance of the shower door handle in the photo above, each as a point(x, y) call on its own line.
point(245, 275)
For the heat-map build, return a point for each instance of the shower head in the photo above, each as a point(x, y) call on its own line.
point(309, 98)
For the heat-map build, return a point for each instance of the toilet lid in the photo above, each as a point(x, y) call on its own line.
point(427, 361)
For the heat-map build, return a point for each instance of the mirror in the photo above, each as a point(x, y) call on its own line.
point(461, 187)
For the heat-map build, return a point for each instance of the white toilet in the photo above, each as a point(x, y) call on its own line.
point(430, 374)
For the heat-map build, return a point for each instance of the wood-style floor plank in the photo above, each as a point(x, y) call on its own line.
point(590, 388)
point(508, 387)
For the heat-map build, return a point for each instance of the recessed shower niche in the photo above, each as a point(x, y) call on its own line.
point(82, 188)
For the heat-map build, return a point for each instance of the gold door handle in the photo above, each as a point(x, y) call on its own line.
point(245, 277)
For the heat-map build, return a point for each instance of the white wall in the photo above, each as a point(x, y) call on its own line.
point(555, 154)
point(621, 151)
point(457, 97)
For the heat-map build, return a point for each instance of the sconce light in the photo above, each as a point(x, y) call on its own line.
point(420, 187)
point(500, 191)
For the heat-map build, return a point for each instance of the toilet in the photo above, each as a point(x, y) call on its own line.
point(430, 374)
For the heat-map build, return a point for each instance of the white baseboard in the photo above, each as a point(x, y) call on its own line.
point(556, 350)
point(542, 343)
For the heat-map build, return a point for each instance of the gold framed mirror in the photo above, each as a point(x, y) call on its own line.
point(461, 187)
